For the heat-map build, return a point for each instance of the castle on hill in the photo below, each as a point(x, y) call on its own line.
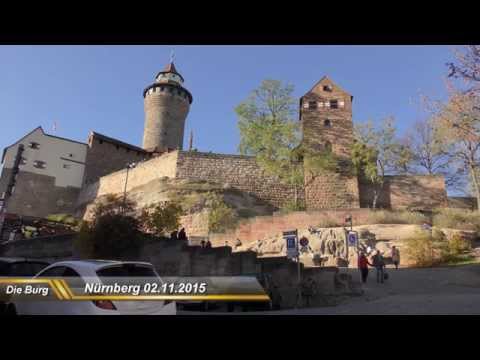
point(45, 174)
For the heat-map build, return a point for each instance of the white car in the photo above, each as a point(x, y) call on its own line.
point(97, 271)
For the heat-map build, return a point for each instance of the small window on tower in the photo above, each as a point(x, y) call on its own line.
point(328, 146)
point(66, 166)
point(333, 104)
point(70, 155)
point(327, 123)
point(327, 88)
point(34, 145)
point(312, 104)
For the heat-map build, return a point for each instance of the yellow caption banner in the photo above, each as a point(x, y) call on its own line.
point(63, 292)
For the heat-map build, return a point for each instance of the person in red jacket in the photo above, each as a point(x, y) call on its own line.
point(363, 266)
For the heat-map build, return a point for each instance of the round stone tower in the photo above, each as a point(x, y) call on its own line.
point(167, 104)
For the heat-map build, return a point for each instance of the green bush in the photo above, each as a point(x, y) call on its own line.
point(427, 250)
point(160, 218)
point(290, 206)
point(64, 219)
point(396, 217)
point(221, 217)
point(420, 249)
point(246, 213)
point(458, 245)
point(112, 233)
point(461, 219)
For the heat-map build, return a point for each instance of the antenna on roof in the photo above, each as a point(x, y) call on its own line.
point(54, 128)
point(172, 56)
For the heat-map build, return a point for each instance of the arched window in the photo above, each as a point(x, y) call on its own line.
point(327, 123)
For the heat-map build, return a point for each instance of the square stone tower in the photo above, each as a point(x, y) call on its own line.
point(326, 122)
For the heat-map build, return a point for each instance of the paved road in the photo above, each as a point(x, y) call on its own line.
point(448, 290)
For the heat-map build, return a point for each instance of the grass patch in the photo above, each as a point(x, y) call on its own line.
point(464, 259)
point(290, 206)
point(461, 219)
point(327, 222)
point(396, 217)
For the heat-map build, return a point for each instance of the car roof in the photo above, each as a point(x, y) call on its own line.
point(20, 259)
point(95, 264)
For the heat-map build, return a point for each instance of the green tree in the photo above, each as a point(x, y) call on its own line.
point(111, 233)
point(377, 153)
point(160, 218)
point(269, 132)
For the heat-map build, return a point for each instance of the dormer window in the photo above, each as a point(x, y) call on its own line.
point(333, 104)
point(327, 88)
point(34, 145)
point(39, 164)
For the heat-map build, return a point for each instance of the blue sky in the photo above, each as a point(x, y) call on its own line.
point(99, 88)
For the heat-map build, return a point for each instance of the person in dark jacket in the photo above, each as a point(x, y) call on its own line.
point(174, 235)
point(363, 266)
point(379, 264)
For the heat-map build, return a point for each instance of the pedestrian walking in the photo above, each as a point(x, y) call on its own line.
point(363, 266)
point(308, 290)
point(182, 235)
point(395, 256)
point(379, 264)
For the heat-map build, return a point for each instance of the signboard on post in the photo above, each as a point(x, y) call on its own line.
point(352, 238)
point(291, 241)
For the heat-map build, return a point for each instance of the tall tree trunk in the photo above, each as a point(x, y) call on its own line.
point(476, 183)
point(375, 197)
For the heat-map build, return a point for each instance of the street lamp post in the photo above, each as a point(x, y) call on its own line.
point(129, 166)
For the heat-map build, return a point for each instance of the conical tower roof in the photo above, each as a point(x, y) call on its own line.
point(170, 69)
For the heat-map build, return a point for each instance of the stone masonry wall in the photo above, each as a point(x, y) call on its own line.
point(104, 158)
point(400, 192)
point(239, 172)
point(261, 227)
point(332, 191)
point(157, 167)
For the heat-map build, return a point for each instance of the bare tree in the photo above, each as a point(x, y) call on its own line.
point(459, 127)
point(467, 67)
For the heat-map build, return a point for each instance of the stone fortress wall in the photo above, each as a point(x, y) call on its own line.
point(235, 171)
point(242, 173)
